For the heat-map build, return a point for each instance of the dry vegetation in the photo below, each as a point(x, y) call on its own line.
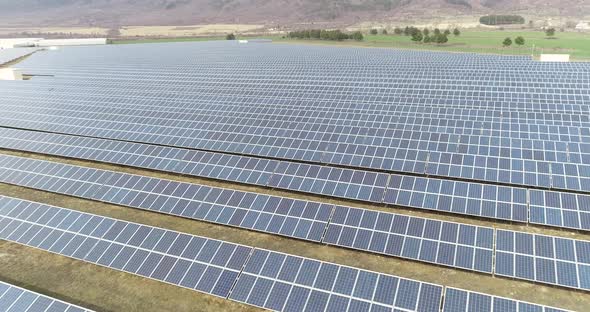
point(183, 31)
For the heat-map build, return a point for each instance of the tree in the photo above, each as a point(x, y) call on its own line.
point(384, 32)
point(398, 31)
point(374, 31)
point(426, 31)
point(357, 35)
point(441, 38)
point(417, 36)
point(447, 32)
point(519, 40)
point(230, 37)
point(456, 32)
point(427, 39)
point(407, 31)
point(550, 32)
point(507, 42)
point(437, 31)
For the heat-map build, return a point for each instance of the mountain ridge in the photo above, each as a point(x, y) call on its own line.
point(109, 13)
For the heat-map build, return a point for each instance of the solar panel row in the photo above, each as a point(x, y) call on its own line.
point(466, 198)
point(446, 243)
point(283, 216)
point(532, 115)
point(458, 300)
point(16, 299)
point(547, 259)
point(263, 278)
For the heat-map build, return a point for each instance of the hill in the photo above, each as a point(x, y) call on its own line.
point(110, 13)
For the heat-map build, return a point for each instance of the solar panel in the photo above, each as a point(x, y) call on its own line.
point(484, 200)
point(16, 299)
point(271, 214)
point(324, 180)
point(283, 282)
point(568, 210)
point(458, 300)
point(446, 243)
point(544, 259)
point(205, 265)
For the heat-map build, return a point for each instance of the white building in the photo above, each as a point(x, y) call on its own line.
point(583, 26)
point(555, 58)
point(70, 42)
point(10, 43)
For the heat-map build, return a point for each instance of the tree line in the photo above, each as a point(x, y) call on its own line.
point(501, 19)
point(426, 35)
point(322, 34)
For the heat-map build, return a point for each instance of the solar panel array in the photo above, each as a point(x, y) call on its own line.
point(16, 299)
point(116, 121)
point(467, 117)
point(450, 244)
point(294, 218)
point(497, 137)
point(258, 277)
point(466, 198)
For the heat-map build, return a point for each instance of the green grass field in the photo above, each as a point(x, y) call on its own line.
point(573, 43)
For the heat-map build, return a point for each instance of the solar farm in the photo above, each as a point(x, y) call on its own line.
point(223, 176)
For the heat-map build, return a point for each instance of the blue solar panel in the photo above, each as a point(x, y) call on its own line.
point(568, 210)
point(490, 201)
point(16, 299)
point(283, 282)
point(544, 259)
point(458, 300)
point(446, 243)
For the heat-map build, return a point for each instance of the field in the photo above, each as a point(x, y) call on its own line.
point(192, 30)
point(575, 44)
point(85, 31)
